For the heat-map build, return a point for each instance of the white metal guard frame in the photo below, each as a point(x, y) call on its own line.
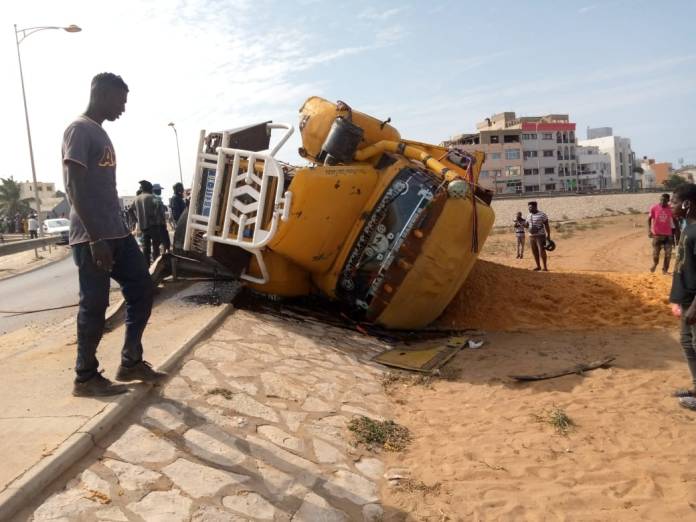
point(247, 198)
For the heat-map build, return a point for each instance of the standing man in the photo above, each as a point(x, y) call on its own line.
point(177, 203)
point(162, 217)
point(683, 291)
point(539, 231)
point(102, 246)
point(148, 217)
point(33, 225)
point(661, 230)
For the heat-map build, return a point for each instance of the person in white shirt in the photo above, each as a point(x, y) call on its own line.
point(539, 232)
point(33, 226)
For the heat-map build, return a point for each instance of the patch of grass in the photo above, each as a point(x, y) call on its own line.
point(224, 392)
point(384, 434)
point(392, 379)
point(557, 418)
point(409, 485)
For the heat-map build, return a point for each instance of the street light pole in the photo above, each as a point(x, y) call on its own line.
point(25, 33)
point(178, 154)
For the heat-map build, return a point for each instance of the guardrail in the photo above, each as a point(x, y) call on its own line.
point(30, 244)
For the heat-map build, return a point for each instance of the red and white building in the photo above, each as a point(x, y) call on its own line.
point(528, 154)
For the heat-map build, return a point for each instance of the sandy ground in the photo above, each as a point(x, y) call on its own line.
point(482, 447)
point(21, 262)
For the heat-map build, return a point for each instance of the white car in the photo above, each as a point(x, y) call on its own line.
point(57, 226)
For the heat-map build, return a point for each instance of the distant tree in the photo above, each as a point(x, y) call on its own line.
point(10, 200)
point(674, 181)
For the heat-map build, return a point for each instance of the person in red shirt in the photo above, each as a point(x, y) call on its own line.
point(661, 229)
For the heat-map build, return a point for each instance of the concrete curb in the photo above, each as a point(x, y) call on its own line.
point(33, 269)
point(34, 480)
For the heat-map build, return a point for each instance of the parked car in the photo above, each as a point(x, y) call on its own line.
point(57, 226)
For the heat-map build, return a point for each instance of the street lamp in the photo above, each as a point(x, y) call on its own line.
point(20, 36)
point(178, 154)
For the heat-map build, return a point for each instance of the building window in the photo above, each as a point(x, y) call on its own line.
point(548, 154)
point(511, 138)
point(572, 136)
point(559, 139)
point(495, 138)
point(530, 154)
point(549, 170)
point(512, 154)
point(513, 171)
point(547, 136)
point(495, 155)
point(559, 154)
point(566, 154)
point(483, 174)
point(550, 186)
point(531, 188)
point(495, 173)
point(532, 136)
point(531, 172)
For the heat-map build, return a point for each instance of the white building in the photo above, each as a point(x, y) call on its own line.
point(594, 169)
point(621, 157)
point(648, 177)
point(47, 196)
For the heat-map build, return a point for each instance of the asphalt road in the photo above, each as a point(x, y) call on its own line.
point(47, 287)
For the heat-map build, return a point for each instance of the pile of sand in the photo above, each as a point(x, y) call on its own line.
point(498, 297)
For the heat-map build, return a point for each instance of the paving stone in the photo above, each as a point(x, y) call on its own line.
point(162, 506)
point(277, 482)
point(246, 405)
point(280, 386)
point(246, 387)
point(111, 514)
point(250, 504)
point(130, 476)
point(216, 514)
point(212, 444)
point(94, 483)
point(198, 372)
point(280, 438)
point(331, 429)
point(370, 467)
point(293, 419)
point(327, 391)
point(287, 351)
point(139, 445)
point(65, 505)
point(303, 470)
point(373, 513)
point(200, 481)
point(300, 375)
point(215, 353)
point(297, 363)
point(277, 405)
point(224, 334)
point(262, 351)
point(350, 486)
point(163, 416)
point(316, 509)
point(177, 390)
point(317, 405)
point(362, 412)
point(326, 453)
point(353, 395)
point(239, 369)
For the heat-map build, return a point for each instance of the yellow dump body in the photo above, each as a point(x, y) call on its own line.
point(389, 228)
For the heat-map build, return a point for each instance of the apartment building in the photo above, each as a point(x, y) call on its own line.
point(594, 169)
point(620, 154)
point(525, 154)
point(46, 190)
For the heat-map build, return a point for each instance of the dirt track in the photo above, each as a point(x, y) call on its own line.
point(478, 439)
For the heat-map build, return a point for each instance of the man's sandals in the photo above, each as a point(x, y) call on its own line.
point(687, 398)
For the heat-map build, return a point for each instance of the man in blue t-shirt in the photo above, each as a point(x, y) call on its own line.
point(102, 245)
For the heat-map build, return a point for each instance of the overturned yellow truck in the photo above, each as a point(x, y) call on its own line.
point(387, 227)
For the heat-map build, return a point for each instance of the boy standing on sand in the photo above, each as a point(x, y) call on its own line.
point(519, 224)
point(683, 291)
point(661, 231)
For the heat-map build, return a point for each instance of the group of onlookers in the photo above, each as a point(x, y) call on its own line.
point(537, 225)
point(149, 218)
point(25, 224)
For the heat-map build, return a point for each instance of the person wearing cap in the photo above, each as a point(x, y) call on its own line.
point(102, 246)
point(147, 214)
point(539, 232)
point(162, 217)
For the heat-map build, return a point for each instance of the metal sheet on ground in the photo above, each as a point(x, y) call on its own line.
point(424, 357)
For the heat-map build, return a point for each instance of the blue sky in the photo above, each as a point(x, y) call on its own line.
point(436, 68)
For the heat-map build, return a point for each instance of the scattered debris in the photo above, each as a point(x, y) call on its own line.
point(409, 485)
point(224, 392)
point(385, 434)
point(577, 369)
point(557, 418)
point(97, 496)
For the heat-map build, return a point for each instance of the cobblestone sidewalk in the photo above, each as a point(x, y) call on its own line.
point(253, 427)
